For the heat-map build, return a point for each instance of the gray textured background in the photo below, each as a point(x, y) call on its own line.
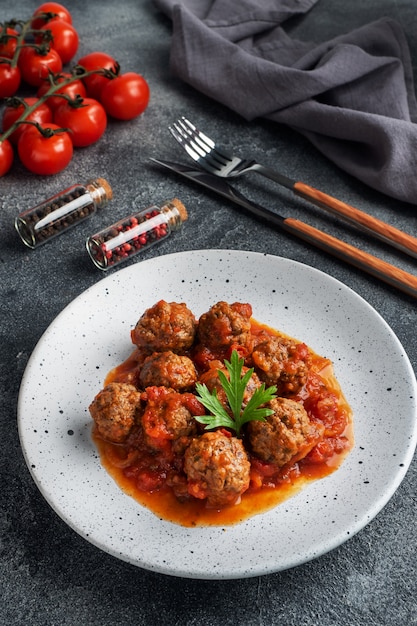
point(48, 574)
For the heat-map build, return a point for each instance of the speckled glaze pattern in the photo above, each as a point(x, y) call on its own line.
point(91, 335)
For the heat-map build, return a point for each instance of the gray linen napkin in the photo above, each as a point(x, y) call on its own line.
point(352, 97)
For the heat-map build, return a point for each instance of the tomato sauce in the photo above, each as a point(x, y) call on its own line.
point(143, 476)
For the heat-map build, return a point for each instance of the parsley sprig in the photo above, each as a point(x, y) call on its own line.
point(234, 388)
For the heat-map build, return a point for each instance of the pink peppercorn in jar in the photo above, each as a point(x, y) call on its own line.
point(64, 210)
point(136, 233)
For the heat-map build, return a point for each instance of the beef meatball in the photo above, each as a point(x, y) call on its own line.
point(115, 409)
point(217, 469)
point(282, 362)
point(167, 416)
point(167, 369)
point(165, 326)
point(286, 435)
point(224, 325)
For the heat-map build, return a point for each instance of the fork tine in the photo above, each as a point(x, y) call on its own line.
point(191, 148)
point(205, 142)
point(203, 150)
point(192, 153)
point(195, 147)
point(196, 132)
point(194, 137)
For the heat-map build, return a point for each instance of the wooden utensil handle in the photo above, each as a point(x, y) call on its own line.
point(390, 274)
point(366, 222)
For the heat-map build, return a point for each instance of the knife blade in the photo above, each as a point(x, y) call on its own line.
point(390, 274)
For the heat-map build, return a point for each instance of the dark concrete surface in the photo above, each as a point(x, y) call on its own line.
point(48, 574)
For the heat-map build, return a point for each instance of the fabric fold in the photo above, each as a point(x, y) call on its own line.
point(352, 97)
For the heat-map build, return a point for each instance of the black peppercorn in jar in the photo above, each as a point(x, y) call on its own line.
point(64, 210)
point(135, 233)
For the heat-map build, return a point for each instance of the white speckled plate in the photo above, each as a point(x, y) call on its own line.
point(92, 335)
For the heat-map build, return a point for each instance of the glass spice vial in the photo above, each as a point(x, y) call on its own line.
point(64, 210)
point(135, 233)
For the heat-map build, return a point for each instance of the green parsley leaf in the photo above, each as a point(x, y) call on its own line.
point(219, 415)
point(233, 417)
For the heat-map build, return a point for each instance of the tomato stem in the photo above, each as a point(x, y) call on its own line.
point(78, 73)
point(25, 30)
point(42, 49)
point(20, 38)
point(46, 132)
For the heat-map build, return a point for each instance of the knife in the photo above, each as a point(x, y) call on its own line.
point(374, 266)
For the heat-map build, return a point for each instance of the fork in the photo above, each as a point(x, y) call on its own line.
point(217, 161)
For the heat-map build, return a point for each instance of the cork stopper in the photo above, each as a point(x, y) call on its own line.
point(106, 186)
point(180, 208)
point(100, 191)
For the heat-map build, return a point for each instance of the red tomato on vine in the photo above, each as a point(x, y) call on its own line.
point(76, 88)
point(9, 80)
point(86, 122)
point(95, 61)
point(50, 7)
point(64, 40)
point(34, 66)
point(126, 96)
point(6, 156)
point(8, 42)
point(45, 154)
point(11, 114)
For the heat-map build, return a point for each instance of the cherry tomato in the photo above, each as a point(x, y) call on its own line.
point(34, 66)
point(45, 155)
point(7, 44)
point(9, 80)
point(75, 88)
point(6, 156)
point(126, 96)
point(11, 114)
point(94, 61)
point(64, 38)
point(87, 122)
point(51, 7)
